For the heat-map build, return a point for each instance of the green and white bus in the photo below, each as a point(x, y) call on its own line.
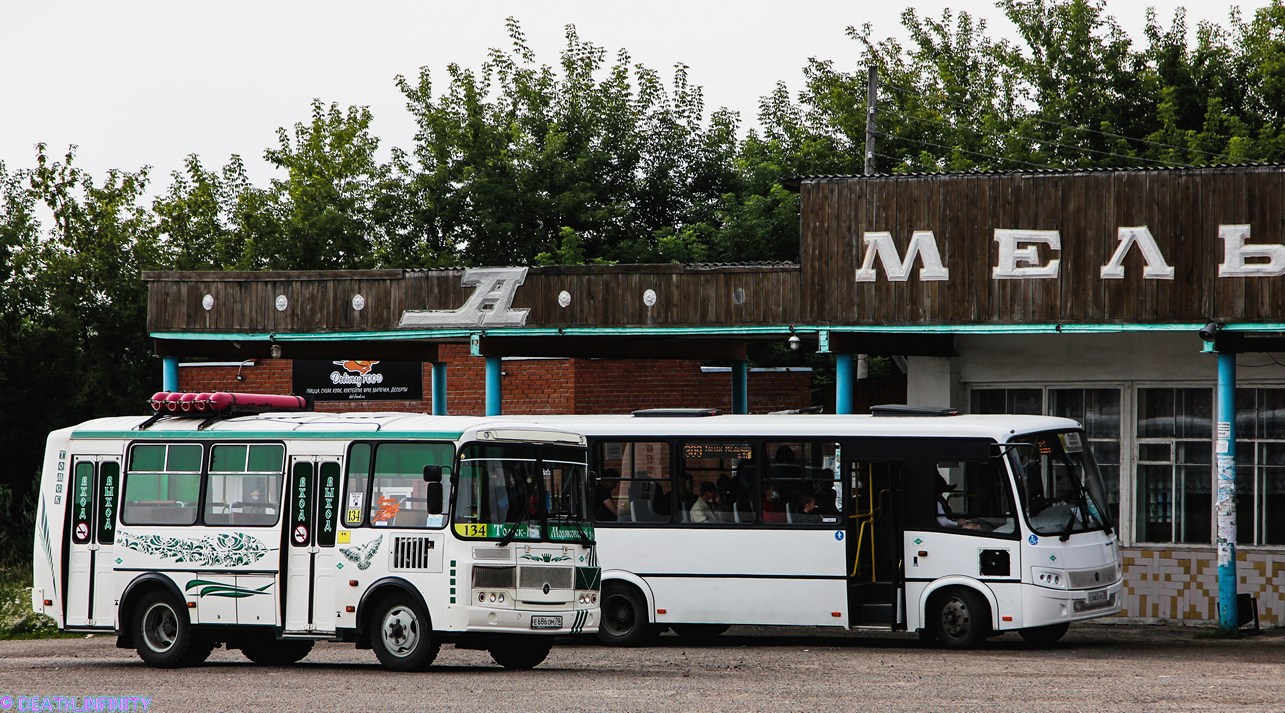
point(265, 533)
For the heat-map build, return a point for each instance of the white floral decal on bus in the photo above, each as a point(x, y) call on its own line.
point(224, 550)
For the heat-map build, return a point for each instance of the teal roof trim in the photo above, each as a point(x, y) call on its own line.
point(783, 330)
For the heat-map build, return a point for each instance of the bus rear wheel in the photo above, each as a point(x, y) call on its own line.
point(401, 634)
point(624, 615)
point(164, 635)
point(1044, 635)
point(519, 653)
point(960, 618)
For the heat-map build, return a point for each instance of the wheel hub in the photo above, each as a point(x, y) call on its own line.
point(160, 627)
point(400, 631)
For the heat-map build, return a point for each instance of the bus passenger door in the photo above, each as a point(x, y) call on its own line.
point(92, 500)
point(310, 541)
point(875, 567)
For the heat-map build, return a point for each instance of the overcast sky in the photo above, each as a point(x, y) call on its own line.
point(146, 83)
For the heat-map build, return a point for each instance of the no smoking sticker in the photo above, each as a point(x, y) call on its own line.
point(301, 534)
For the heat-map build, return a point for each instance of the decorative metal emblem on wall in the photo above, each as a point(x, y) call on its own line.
point(488, 306)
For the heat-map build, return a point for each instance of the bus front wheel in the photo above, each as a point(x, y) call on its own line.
point(959, 617)
point(624, 615)
point(164, 635)
point(521, 652)
point(1044, 635)
point(401, 634)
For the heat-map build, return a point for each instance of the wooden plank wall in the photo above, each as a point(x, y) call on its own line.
point(1182, 208)
point(604, 296)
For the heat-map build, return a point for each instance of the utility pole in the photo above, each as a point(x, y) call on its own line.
point(872, 95)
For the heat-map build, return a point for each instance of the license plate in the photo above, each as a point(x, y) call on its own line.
point(1099, 597)
point(546, 622)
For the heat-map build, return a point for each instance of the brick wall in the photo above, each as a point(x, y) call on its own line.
point(541, 386)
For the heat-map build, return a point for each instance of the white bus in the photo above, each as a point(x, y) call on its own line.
point(268, 532)
point(956, 527)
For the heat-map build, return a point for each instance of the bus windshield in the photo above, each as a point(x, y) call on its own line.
point(517, 489)
point(1061, 488)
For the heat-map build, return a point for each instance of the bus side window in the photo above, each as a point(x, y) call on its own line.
point(725, 479)
point(355, 489)
point(800, 483)
point(163, 484)
point(635, 485)
point(399, 495)
point(244, 484)
point(973, 495)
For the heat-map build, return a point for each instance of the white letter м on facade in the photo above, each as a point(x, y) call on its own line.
point(923, 244)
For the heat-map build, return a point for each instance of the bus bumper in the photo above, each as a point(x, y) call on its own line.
point(1053, 606)
point(527, 621)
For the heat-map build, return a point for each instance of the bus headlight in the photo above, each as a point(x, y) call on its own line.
point(1051, 578)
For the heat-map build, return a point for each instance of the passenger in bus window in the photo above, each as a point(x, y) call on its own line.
point(686, 495)
point(704, 509)
point(809, 511)
point(773, 511)
point(604, 496)
point(945, 516)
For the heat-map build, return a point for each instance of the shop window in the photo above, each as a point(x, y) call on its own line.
point(1016, 401)
point(244, 484)
point(1175, 475)
point(634, 485)
point(1099, 411)
point(163, 484)
point(1260, 466)
point(725, 476)
point(800, 483)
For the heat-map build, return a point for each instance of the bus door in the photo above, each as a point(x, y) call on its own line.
point(874, 542)
point(309, 572)
point(93, 499)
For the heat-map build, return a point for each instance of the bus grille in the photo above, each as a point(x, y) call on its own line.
point(487, 577)
point(537, 577)
point(412, 552)
point(1091, 578)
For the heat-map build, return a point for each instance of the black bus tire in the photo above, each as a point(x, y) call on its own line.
point(624, 615)
point(1044, 635)
point(521, 652)
point(402, 635)
point(163, 633)
point(959, 617)
point(268, 651)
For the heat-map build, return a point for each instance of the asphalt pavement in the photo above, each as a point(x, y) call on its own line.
point(1097, 667)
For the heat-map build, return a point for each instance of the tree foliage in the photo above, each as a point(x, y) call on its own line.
point(598, 159)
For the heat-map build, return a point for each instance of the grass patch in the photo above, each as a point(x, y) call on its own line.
point(17, 619)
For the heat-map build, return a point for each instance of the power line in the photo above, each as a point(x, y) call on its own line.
point(1041, 141)
point(956, 148)
point(1077, 128)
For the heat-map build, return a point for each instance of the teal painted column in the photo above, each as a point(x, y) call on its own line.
point(169, 374)
point(740, 386)
point(1225, 451)
point(439, 388)
point(843, 383)
point(494, 395)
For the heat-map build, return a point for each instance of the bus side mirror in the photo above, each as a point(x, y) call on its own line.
point(434, 498)
point(433, 473)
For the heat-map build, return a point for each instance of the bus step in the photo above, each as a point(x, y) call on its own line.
point(876, 613)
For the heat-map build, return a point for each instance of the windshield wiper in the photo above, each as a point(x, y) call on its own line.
point(523, 512)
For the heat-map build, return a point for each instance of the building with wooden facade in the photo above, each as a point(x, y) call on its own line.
point(1078, 294)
